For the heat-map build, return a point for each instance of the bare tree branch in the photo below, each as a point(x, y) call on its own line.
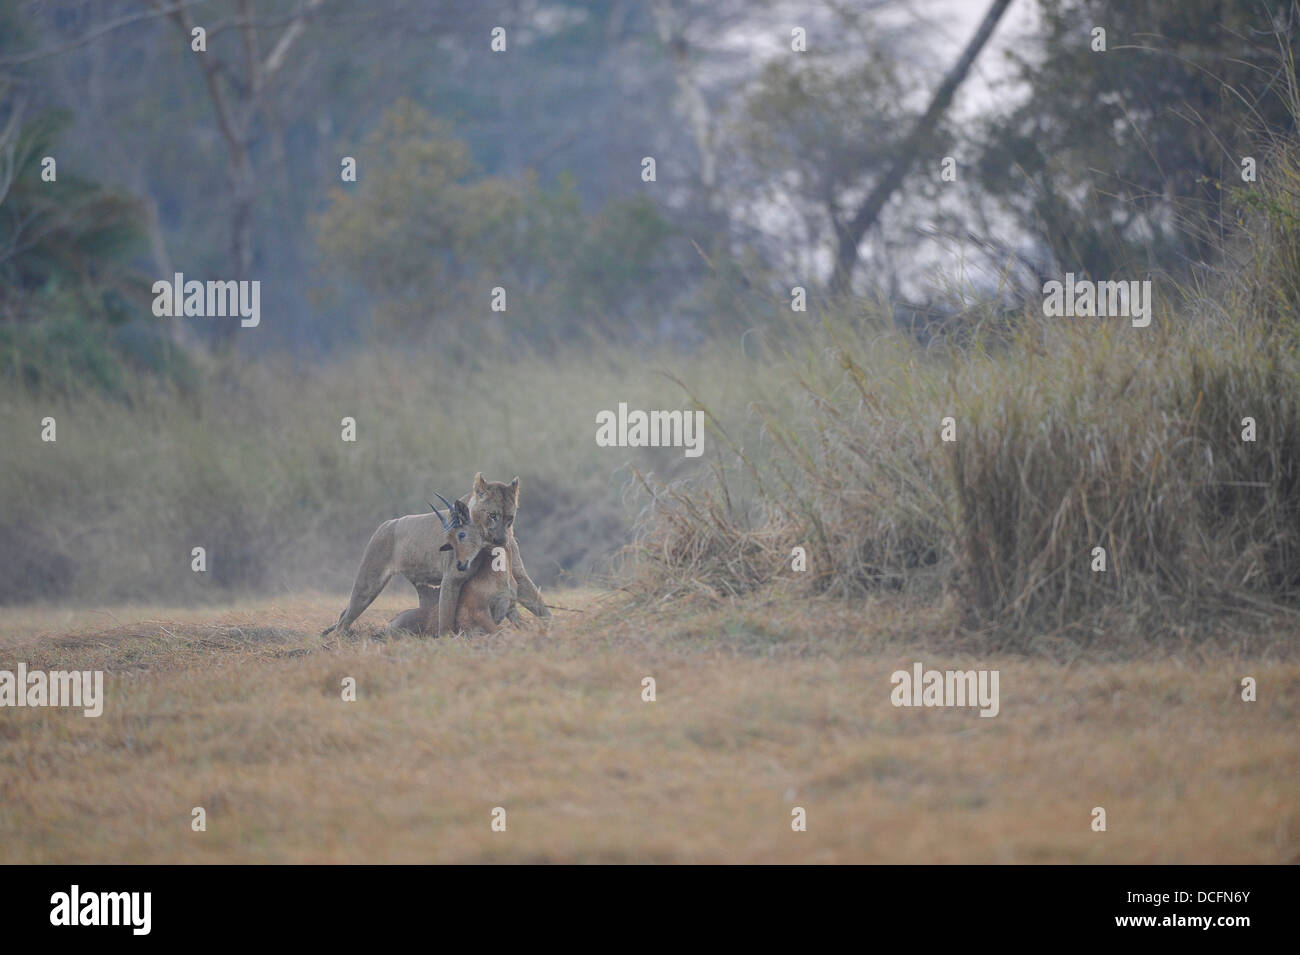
point(225, 119)
point(97, 33)
point(276, 58)
point(9, 145)
point(851, 233)
point(673, 36)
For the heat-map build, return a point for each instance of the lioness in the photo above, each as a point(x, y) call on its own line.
point(492, 507)
point(489, 592)
point(410, 546)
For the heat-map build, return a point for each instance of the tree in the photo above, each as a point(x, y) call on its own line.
point(813, 133)
point(1117, 159)
point(849, 232)
point(70, 233)
point(239, 88)
point(428, 235)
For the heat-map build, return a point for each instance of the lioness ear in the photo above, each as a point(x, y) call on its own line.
point(480, 485)
point(445, 547)
point(514, 486)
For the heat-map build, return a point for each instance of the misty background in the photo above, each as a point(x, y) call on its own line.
point(776, 166)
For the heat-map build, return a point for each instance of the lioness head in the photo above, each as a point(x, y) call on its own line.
point(464, 538)
point(492, 507)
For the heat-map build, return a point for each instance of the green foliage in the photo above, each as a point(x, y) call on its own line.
point(406, 229)
point(422, 231)
point(612, 270)
point(68, 291)
point(60, 352)
point(70, 232)
point(1116, 158)
point(69, 348)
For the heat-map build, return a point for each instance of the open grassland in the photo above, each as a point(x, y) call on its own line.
point(762, 705)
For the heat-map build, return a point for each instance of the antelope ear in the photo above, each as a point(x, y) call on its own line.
point(480, 485)
point(445, 547)
point(514, 487)
point(462, 512)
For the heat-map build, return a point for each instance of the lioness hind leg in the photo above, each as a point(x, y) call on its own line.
point(372, 576)
point(363, 595)
point(419, 621)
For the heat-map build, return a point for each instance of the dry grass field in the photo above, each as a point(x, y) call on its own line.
point(1039, 419)
point(761, 706)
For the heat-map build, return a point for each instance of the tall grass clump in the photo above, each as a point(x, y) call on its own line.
point(833, 457)
point(1137, 451)
point(1076, 441)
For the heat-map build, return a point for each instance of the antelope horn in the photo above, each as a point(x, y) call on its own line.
point(455, 519)
point(445, 525)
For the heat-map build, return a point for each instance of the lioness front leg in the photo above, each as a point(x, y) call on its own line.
point(529, 595)
point(428, 594)
point(449, 593)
